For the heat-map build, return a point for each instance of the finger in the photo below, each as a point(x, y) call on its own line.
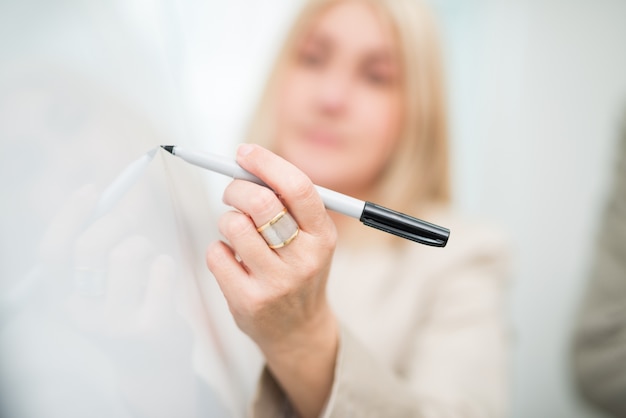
point(263, 206)
point(259, 202)
point(228, 271)
point(291, 184)
point(246, 242)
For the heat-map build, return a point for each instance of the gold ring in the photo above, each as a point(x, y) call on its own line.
point(280, 230)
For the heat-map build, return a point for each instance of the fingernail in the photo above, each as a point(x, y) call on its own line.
point(244, 149)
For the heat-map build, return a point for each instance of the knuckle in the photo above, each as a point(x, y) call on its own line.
point(263, 202)
point(234, 225)
point(328, 240)
point(326, 236)
point(239, 312)
point(299, 187)
point(255, 305)
point(234, 189)
point(253, 310)
point(214, 255)
point(315, 262)
point(309, 266)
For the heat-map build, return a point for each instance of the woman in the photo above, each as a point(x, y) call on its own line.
point(350, 321)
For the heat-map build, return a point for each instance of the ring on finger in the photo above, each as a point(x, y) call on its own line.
point(279, 231)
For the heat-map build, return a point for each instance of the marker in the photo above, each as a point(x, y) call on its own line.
point(370, 214)
point(14, 298)
point(120, 185)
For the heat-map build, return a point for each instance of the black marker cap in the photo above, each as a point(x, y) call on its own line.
point(404, 226)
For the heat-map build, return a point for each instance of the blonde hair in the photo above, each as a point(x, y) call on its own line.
point(418, 171)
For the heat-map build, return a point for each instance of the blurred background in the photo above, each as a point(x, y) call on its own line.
point(536, 91)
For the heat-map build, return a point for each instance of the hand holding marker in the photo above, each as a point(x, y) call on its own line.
point(370, 214)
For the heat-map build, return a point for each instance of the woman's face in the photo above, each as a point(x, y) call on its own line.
point(339, 103)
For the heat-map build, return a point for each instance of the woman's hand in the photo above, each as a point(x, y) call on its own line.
point(121, 297)
point(278, 297)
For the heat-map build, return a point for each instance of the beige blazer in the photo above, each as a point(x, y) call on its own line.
point(424, 330)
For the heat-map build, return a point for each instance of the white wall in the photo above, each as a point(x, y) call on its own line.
point(536, 88)
point(537, 92)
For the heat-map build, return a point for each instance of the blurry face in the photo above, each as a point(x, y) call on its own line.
point(339, 104)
